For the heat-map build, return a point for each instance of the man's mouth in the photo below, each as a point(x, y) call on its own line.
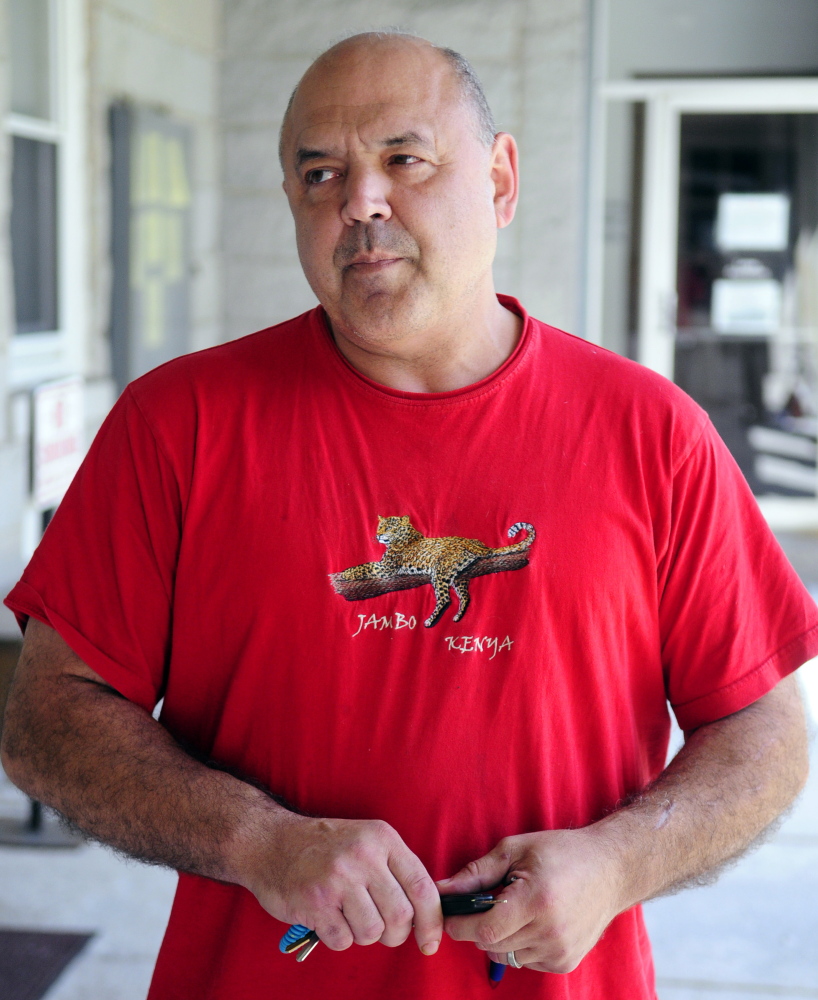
point(372, 262)
point(374, 247)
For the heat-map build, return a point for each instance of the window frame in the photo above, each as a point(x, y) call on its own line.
point(40, 356)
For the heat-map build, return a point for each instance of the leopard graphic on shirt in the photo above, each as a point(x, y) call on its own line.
point(412, 560)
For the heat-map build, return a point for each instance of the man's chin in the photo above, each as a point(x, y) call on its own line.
point(378, 317)
point(376, 307)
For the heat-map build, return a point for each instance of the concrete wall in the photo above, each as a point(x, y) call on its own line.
point(163, 53)
point(712, 36)
point(530, 55)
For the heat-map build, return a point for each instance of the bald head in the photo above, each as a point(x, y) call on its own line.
point(397, 185)
point(349, 51)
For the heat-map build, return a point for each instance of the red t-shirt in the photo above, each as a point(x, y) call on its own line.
point(195, 555)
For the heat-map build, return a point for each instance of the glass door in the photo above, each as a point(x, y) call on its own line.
point(747, 289)
point(724, 266)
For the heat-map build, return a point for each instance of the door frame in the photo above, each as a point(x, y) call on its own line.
point(665, 102)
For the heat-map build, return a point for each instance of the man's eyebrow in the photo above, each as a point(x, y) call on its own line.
point(303, 155)
point(406, 138)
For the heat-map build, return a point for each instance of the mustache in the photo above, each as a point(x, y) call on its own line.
point(374, 237)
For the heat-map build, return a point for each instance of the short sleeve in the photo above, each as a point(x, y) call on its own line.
point(103, 574)
point(734, 616)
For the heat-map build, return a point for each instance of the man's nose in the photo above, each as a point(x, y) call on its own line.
point(367, 196)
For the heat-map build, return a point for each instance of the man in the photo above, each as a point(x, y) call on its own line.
point(223, 548)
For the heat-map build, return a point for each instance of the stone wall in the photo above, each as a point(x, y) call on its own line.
point(750, 37)
point(530, 55)
point(164, 53)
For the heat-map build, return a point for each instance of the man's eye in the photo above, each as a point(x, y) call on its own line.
point(319, 176)
point(405, 158)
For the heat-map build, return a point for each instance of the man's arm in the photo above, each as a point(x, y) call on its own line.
point(74, 743)
point(730, 781)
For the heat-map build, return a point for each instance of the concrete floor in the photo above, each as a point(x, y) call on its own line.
point(87, 889)
point(752, 935)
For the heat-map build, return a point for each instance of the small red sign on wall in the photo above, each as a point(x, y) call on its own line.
point(59, 438)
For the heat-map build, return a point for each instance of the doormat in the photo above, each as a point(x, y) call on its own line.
point(30, 961)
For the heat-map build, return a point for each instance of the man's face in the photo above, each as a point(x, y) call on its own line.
point(391, 189)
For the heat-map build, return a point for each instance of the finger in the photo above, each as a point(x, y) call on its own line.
point(483, 931)
point(333, 930)
point(524, 956)
point(422, 893)
point(533, 958)
point(507, 917)
point(362, 915)
point(395, 909)
point(484, 873)
point(525, 937)
point(542, 955)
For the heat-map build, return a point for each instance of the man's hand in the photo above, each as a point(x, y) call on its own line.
point(73, 743)
point(727, 784)
point(350, 880)
point(561, 900)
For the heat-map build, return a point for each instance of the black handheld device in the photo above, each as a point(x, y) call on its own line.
point(470, 902)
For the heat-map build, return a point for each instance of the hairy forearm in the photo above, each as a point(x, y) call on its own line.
point(117, 774)
point(71, 741)
point(727, 784)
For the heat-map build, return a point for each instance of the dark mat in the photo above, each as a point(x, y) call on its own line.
point(30, 961)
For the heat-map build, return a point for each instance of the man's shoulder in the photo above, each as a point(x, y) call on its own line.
point(622, 404)
point(587, 369)
point(255, 362)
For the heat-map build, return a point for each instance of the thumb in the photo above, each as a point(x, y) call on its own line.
point(484, 873)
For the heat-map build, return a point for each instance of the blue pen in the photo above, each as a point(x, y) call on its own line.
point(474, 902)
point(496, 971)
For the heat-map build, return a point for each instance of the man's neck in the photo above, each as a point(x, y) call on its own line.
point(438, 360)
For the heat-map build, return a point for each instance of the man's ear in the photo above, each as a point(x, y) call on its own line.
point(506, 178)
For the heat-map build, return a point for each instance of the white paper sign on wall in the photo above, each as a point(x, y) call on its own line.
point(753, 222)
point(58, 440)
point(746, 307)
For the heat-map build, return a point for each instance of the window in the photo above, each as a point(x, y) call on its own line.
point(47, 225)
point(32, 36)
point(34, 234)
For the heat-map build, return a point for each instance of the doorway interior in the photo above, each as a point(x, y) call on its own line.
point(707, 263)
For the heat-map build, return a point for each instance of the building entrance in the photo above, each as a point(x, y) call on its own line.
point(724, 267)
